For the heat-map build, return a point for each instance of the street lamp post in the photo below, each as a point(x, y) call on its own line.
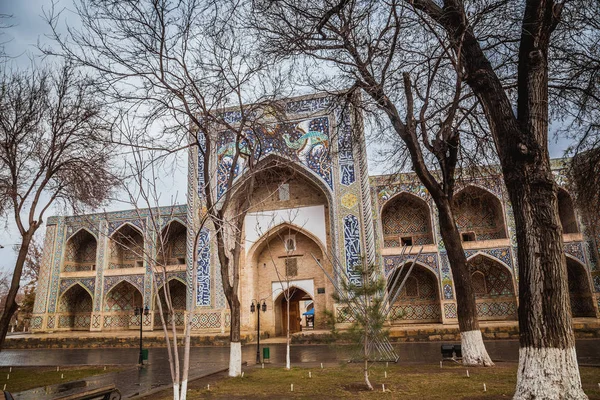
point(141, 311)
point(258, 306)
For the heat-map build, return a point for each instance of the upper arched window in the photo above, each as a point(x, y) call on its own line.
point(406, 221)
point(478, 215)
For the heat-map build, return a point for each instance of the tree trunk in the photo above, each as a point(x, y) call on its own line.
point(235, 349)
point(473, 349)
point(287, 334)
point(11, 305)
point(547, 361)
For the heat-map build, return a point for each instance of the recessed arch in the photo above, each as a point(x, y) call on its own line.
point(119, 306)
point(406, 220)
point(479, 214)
point(173, 248)
point(75, 308)
point(566, 212)
point(126, 247)
point(178, 293)
point(494, 288)
point(80, 252)
point(580, 294)
point(419, 300)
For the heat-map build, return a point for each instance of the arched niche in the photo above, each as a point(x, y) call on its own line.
point(478, 214)
point(419, 300)
point(494, 288)
point(566, 212)
point(126, 248)
point(119, 306)
point(173, 244)
point(80, 252)
point(406, 221)
point(582, 300)
point(75, 309)
point(178, 293)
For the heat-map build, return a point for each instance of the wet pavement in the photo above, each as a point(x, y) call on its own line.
point(208, 360)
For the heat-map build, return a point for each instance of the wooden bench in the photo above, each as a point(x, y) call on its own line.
point(108, 392)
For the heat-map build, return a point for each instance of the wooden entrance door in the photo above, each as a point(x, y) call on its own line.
point(294, 316)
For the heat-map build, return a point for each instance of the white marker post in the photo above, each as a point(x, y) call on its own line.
point(385, 374)
point(468, 374)
point(208, 387)
point(321, 365)
point(383, 387)
point(292, 387)
point(484, 388)
point(309, 374)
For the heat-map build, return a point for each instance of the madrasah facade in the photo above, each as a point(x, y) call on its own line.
point(316, 204)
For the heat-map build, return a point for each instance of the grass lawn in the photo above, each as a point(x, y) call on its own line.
point(24, 378)
point(419, 382)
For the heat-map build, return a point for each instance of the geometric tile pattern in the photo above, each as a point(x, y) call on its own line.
point(45, 271)
point(406, 215)
point(417, 312)
point(450, 310)
point(206, 320)
point(496, 309)
point(57, 261)
point(447, 283)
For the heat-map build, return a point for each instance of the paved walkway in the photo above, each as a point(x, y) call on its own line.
point(208, 360)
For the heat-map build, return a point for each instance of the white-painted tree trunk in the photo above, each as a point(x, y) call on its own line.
point(549, 374)
point(175, 391)
point(183, 395)
point(288, 363)
point(235, 359)
point(473, 349)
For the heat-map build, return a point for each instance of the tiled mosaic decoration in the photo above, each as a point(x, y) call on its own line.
point(393, 262)
point(88, 283)
point(450, 310)
point(352, 246)
point(204, 288)
point(345, 156)
point(306, 142)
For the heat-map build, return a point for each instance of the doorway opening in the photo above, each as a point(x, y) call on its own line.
point(297, 299)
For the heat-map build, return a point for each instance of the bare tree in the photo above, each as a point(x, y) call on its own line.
point(519, 122)
point(180, 63)
point(53, 128)
point(373, 48)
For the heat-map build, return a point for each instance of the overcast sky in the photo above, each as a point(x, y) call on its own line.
point(29, 27)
